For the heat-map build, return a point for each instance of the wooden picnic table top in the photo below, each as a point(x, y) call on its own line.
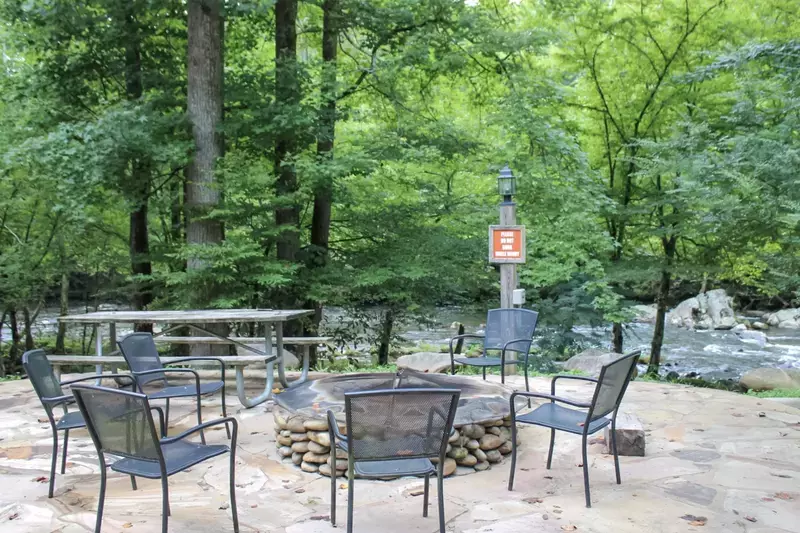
point(201, 316)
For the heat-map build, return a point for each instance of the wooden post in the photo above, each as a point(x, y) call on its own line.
point(508, 272)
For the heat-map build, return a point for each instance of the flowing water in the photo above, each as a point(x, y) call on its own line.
point(710, 354)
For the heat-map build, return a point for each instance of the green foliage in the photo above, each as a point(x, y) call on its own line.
point(775, 393)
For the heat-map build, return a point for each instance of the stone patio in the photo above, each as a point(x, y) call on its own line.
point(730, 459)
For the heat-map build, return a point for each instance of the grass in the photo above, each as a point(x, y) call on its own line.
point(775, 393)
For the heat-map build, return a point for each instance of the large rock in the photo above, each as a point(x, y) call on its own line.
point(785, 318)
point(431, 362)
point(591, 361)
point(710, 310)
point(645, 314)
point(630, 436)
point(770, 378)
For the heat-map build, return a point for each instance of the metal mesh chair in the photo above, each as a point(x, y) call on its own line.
point(507, 330)
point(121, 424)
point(609, 389)
point(141, 354)
point(51, 393)
point(394, 432)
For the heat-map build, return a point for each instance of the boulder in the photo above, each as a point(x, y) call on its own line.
point(322, 438)
point(431, 362)
point(449, 466)
point(483, 465)
point(296, 437)
point(473, 431)
point(752, 337)
point(468, 460)
point(785, 318)
point(739, 327)
point(505, 448)
point(458, 453)
point(760, 326)
point(317, 448)
point(473, 444)
point(285, 451)
point(709, 310)
point(309, 467)
point(315, 424)
point(645, 314)
point(490, 442)
point(591, 361)
point(300, 446)
point(494, 456)
point(317, 458)
point(480, 454)
point(759, 379)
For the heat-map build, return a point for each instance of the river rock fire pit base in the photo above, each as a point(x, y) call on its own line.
point(483, 420)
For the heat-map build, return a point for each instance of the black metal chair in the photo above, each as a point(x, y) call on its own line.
point(121, 424)
point(50, 392)
point(139, 350)
point(394, 432)
point(608, 392)
point(507, 330)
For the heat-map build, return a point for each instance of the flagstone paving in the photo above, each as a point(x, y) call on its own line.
point(716, 462)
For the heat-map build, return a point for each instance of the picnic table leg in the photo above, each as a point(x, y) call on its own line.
point(112, 340)
point(264, 396)
point(306, 360)
point(279, 345)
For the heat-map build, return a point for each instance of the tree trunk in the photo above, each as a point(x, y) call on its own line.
point(205, 30)
point(386, 337)
point(287, 97)
point(28, 324)
point(13, 352)
point(661, 311)
point(616, 337)
point(63, 311)
point(459, 342)
point(2, 365)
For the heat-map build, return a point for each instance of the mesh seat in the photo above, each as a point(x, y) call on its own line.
point(555, 416)
point(391, 433)
point(182, 391)
point(71, 420)
point(178, 456)
point(121, 425)
point(139, 351)
point(609, 389)
point(507, 330)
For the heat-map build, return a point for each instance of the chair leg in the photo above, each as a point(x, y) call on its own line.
point(527, 387)
point(502, 374)
point(234, 511)
point(440, 494)
point(224, 411)
point(614, 447)
point(166, 418)
point(586, 473)
point(350, 487)
point(484, 373)
point(164, 504)
point(53, 464)
point(133, 483)
point(513, 455)
point(200, 418)
point(550, 451)
point(101, 498)
point(64, 453)
point(425, 495)
point(333, 483)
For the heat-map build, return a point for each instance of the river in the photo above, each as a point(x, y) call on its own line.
point(711, 354)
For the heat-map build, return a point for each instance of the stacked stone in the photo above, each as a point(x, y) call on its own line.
point(306, 443)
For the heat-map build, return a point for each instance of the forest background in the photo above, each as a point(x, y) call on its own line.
point(285, 154)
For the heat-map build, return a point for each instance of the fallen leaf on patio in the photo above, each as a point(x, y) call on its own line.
point(320, 517)
point(767, 499)
point(697, 523)
point(548, 477)
point(569, 527)
point(127, 525)
point(525, 469)
point(43, 420)
point(557, 511)
point(780, 475)
point(532, 500)
point(14, 516)
point(545, 517)
point(224, 507)
point(41, 479)
point(254, 506)
point(579, 465)
point(750, 519)
point(783, 496)
point(762, 414)
point(276, 390)
point(416, 492)
point(737, 415)
point(692, 518)
point(343, 486)
point(300, 491)
point(581, 424)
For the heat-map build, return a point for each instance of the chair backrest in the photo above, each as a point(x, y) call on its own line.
point(399, 423)
point(139, 350)
point(119, 422)
point(612, 383)
point(503, 325)
point(41, 374)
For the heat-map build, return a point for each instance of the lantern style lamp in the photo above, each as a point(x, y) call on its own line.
point(506, 184)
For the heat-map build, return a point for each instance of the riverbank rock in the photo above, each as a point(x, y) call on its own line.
point(289, 359)
point(591, 361)
point(760, 379)
point(630, 436)
point(785, 318)
point(644, 314)
point(431, 362)
point(760, 326)
point(710, 310)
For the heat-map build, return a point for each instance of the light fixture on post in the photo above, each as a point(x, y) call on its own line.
point(506, 184)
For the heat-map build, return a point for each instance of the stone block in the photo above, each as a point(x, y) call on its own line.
point(630, 436)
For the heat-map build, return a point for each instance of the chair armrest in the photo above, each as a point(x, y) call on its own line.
point(173, 371)
point(202, 358)
point(55, 400)
point(161, 425)
point(100, 376)
point(515, 341)
point(333, 428)
point(464, 336)
point(550, 397)
point(563, 376)
point(205, 425)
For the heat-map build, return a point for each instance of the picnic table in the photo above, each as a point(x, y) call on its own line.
point(272, 319)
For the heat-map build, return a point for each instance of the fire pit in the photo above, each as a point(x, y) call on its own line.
point(482, 420)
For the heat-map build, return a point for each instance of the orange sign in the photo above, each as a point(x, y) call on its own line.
point(506, 244)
